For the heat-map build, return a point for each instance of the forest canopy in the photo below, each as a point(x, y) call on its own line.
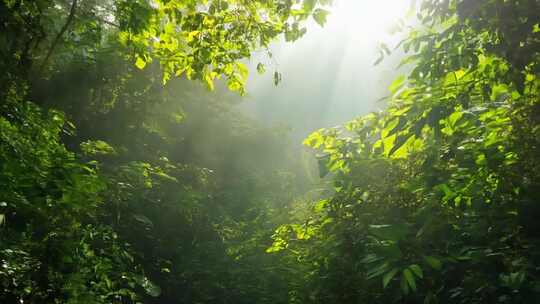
point(127, 174)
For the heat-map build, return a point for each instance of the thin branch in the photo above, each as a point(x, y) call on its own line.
point(61, 33)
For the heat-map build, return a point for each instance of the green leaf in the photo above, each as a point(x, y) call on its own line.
point(370, 258)
point(388, 144)
point(143, 220)
point(397, 84)
point(433, 262)
point(314, 140)
point(277, 78)
point(481, 159)
point(410, 279)
point(403, 284)
point(322, 162)
point(379, 60)
point(399, 150)
point(320, 206)
point(140, 63)
point(242, 70)
point(389, 276)
point(277, 245)
point(320, 16)
point(498, 90)
point(96, 147)
point(377, 271)
point(417, 270)
point(261, 68)
point(389, 250)
point(234, 85)
point(454, 118)
point(390, 127)
point(308, 5)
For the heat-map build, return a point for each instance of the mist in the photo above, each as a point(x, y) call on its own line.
point(329, 76)
point(269, 151)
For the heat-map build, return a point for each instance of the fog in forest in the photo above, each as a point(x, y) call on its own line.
point(269, 151)
point(329, 76)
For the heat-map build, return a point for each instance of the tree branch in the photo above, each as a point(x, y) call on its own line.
point(60, 34)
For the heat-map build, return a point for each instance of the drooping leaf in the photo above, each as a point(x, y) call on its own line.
point(261, 68)
point(397, 84)
point(417, 270)
point(377, 270)
point(379, 59)
point(277, 78)
point(389, 276)
point(410, 279)
point(320, 15)
point(140, 63)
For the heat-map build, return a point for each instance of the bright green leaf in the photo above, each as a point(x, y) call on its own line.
point(410, 279)
point(397, 84)
point(417, 270)
point(140, 63)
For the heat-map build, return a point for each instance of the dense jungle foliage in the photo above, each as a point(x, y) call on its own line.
point(124, 179)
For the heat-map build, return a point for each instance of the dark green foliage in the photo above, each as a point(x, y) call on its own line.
point(118, 189)
point(54, 248)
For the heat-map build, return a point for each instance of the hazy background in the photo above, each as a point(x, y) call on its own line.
point(329, 75)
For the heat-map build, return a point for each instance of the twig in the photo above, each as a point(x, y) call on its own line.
point(60, 34)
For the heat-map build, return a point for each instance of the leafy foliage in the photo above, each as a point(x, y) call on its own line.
point(435, 195)
point(206, 39)
point(122, 182)
point(105, 197)
point(53, 246)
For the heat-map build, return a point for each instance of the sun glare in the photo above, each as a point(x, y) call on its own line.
point(368, 20)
